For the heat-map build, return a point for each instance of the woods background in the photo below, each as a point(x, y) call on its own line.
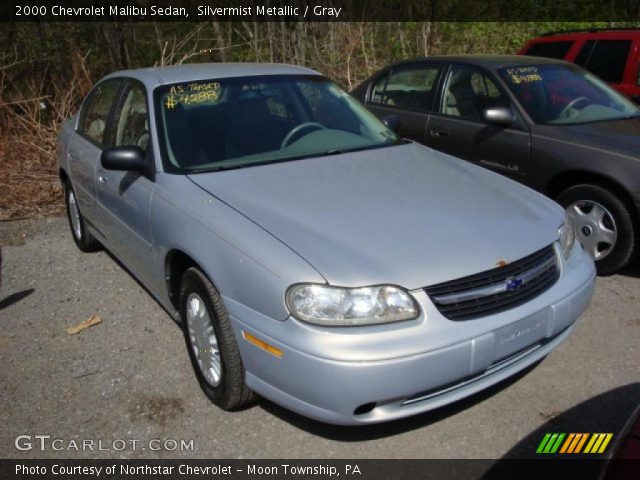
point(47, 68)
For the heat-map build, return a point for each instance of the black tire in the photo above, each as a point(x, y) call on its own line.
point(232, 392)
point(83, 239)
point(623, 249)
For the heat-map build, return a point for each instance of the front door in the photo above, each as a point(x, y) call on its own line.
point(124, 198)
point(459, 129)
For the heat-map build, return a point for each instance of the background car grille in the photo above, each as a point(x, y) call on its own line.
point(540, 269)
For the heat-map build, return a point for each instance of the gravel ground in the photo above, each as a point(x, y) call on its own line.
point(130, 378)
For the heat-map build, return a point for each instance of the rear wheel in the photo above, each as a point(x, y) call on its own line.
point(81, 236)
point(603, 224)
point(212, 347)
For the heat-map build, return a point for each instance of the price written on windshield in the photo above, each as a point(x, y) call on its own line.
point(192, 93)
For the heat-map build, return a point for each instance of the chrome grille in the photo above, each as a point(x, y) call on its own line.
point(496, 290)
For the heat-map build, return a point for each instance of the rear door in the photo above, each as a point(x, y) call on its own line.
point(458, 127)
point(88, 142)
point(124, 198)
point(407, 91)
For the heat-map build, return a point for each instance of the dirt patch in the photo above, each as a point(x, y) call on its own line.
point(157, 410)
point(17, 232)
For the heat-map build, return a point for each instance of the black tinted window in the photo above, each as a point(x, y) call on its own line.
point(93, 118)
point(605, 58)
point(409, 87)
point(549, 49)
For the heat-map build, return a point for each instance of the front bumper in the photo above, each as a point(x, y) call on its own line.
point(366, 375)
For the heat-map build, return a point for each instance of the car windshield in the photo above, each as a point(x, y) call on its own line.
point(564, 94)
point(240, 122)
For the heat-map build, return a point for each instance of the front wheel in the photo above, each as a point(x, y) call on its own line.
point(212, 347)
point(602, 223)
point(81, 236)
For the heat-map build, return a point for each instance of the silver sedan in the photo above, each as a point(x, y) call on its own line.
point(310, 254)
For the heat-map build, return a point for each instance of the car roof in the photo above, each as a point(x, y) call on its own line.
point(155, 76)
point(490, 62)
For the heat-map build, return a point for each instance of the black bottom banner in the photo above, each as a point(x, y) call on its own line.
point(543, 468)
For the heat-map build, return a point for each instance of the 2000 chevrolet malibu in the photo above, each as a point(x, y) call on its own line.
point(311, 255)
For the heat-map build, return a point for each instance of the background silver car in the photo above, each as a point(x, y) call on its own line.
point(311, 255)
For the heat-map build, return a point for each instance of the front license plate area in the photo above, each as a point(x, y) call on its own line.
point(517, 336)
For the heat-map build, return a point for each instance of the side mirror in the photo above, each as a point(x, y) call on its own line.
point(126, 158)
point(392, 122)
point(500, 116)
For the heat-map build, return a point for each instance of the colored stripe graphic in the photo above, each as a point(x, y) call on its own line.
point(574, 442)
point(593, 440)
point(567, 442)
point(581, 443)
point(543, 443)
point(606, 441)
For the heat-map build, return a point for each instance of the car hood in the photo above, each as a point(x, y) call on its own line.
point(620, 136)
point(404, 215)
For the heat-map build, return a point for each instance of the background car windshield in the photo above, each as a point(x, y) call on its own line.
point(558, 94)
point(239, 122)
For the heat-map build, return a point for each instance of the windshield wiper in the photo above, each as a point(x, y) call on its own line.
point(337, 151)
point(214, 169)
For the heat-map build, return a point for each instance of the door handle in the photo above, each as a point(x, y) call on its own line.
point(102, 179)
point(437, 132)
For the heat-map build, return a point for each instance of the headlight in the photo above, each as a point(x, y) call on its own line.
point(325, 305)
point(567, 236)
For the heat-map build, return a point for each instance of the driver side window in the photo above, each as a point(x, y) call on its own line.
point(132, 119)
point(469, 92)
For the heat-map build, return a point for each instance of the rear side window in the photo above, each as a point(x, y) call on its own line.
point(95, 111)
point(549, 49)
point(407, 87)
point(605, 58)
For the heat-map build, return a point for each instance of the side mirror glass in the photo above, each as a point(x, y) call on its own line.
point(392, 122)
point(500, 116)
point(125, 158)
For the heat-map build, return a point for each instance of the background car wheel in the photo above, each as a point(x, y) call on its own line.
point(602, 223)
point(81, 236)
point(211, 344)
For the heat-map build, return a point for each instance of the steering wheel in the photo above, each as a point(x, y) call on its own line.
point(299, 128)
point(565, 111)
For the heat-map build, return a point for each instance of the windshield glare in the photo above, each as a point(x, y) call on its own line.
point(561, 94)
point(239, 122)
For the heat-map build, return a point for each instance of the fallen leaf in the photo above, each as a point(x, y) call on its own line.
point(82, 325)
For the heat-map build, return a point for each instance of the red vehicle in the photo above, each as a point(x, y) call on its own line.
point(611, 54)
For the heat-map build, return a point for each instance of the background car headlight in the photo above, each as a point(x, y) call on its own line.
point(567, 236)
point(325, 305)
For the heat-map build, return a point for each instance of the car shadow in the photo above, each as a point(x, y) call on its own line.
point(604, 413)
point(360, 433)
point(631, 270)
point(15, 298)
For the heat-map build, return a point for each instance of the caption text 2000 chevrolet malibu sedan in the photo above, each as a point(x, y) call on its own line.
point(311, 255)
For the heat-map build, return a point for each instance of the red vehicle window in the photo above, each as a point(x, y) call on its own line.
point(549, 49)
point(605, 58)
